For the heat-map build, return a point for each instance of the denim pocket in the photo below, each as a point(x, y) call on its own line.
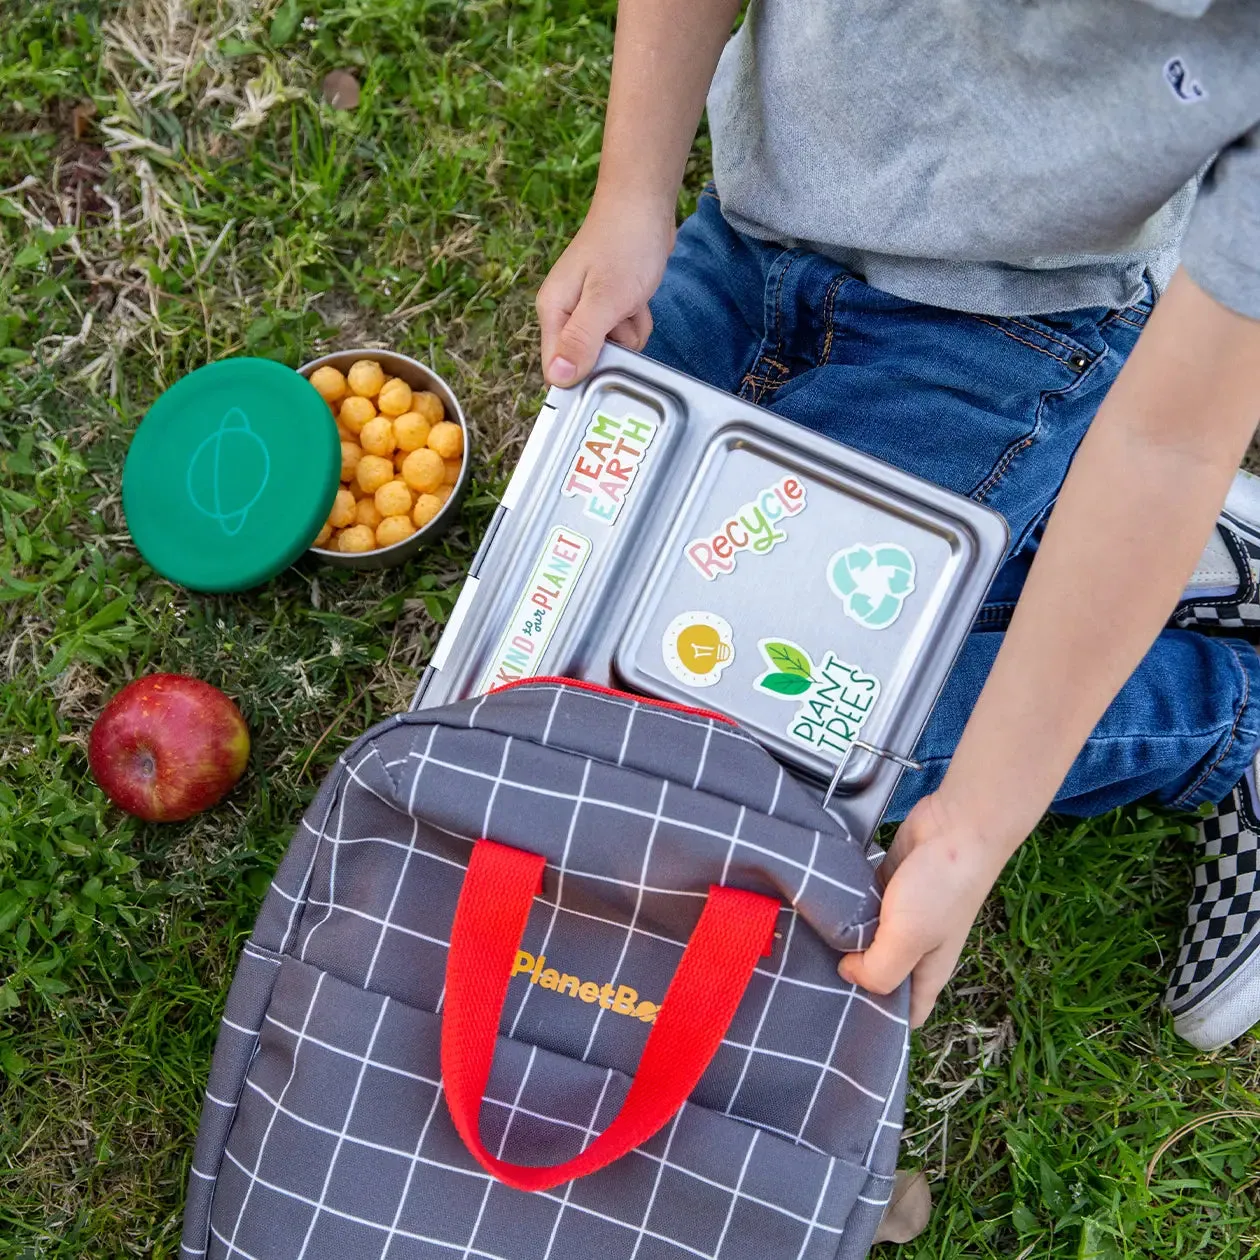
point(1075, 344)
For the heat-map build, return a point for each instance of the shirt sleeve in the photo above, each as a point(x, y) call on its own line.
point(1221, 248)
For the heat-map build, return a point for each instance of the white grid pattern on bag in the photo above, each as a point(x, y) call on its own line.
point(568, 1190)
point(562, 871)
point(728, 729)
point(345, 1128)
point(635, 812)
point(795, 981)
point(507, 1128)
point(262, 1146)
point(641, 1230)
point(634, 916)
point(514, 1109)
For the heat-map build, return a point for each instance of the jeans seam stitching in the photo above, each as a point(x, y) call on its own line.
point(1074, 347)
point(1006, 332)
point(1229, 743)
point(829, 309)
point(999, 471)
point(994, 478)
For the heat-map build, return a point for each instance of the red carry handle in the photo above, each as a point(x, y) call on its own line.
point(735, 929)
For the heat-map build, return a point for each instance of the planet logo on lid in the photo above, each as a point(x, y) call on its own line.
point(697, 647)
point(228, 472)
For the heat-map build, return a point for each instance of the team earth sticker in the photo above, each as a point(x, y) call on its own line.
point(607, 462)
point(833, 698)
point(697, 647)
point(872, 581)
point(536, 616)
point(752, 527)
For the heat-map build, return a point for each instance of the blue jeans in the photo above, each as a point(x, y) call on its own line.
point(990, 407)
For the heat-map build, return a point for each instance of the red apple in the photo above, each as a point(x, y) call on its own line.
point(168, 746)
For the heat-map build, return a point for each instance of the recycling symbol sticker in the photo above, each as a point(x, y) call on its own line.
point(872, 581)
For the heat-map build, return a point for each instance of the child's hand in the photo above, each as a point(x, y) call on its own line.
point(937, 875)
point(601, 285)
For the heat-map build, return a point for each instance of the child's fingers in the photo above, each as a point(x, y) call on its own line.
point(557, 297)
point(928, 979)
point(890, 959)
point(634, 331)
point(580, 340)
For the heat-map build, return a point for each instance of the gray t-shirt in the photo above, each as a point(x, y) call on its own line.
point(1000, 156)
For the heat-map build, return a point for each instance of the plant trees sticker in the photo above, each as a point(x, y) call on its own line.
point(697, 647)
point(872, 581)
point(537, 614)
point(607, 462)
point(753, 527)
point(832, 698)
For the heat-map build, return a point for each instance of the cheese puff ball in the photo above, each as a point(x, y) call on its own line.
point(356, 412)
point(393, 529)
point(442, 493)
point(447, 439)
point(423, 470)
point(351, 453)
point(393, 499)
point(452, 467)
point(400, 458)
point(323, 536)
point(330, 383)
point(344, 434)
point(411, 431)
point(427, 507)
point(377, 436)
point(366, 378)
point(342, 513)
point(428, 405)
point(365, 513)
point(357, 538)
point(394, 398)
point(357, 490)
point(373, 472)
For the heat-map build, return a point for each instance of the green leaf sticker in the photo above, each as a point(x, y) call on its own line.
point(788, 658)
point(784, 684)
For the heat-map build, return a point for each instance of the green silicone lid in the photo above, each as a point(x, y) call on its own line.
point(231, 474)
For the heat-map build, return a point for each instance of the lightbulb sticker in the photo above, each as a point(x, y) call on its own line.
point(698, 647)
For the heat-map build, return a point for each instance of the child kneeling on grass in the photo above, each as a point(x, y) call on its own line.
point(1015, 249)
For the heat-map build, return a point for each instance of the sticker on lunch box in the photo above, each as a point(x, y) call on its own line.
point(607, 462)
point(833, 698)
point(697, 647)
point(751, 527)
point(536, 616)
point(872, 581)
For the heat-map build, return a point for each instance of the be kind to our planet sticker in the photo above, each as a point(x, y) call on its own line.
point(697, 647)
point(872, 581)
point(833, 698)
point(607, 463)
point(753, 527)
point(538, 612)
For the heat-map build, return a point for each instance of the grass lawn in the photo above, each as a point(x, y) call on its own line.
point(216, 206)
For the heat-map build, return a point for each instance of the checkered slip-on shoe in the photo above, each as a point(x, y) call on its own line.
point(1224, 592)
point(1214, 993)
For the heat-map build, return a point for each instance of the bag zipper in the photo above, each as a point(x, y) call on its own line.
point(582, 685)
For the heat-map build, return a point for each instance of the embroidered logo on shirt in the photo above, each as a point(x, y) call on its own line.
point(1187, 90)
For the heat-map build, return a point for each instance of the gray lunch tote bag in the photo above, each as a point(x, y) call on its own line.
point(551, 975)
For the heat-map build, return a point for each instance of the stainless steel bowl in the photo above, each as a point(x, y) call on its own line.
point(418, 377)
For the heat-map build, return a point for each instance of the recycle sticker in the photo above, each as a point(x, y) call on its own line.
point(833, 698)
point(872, 581)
